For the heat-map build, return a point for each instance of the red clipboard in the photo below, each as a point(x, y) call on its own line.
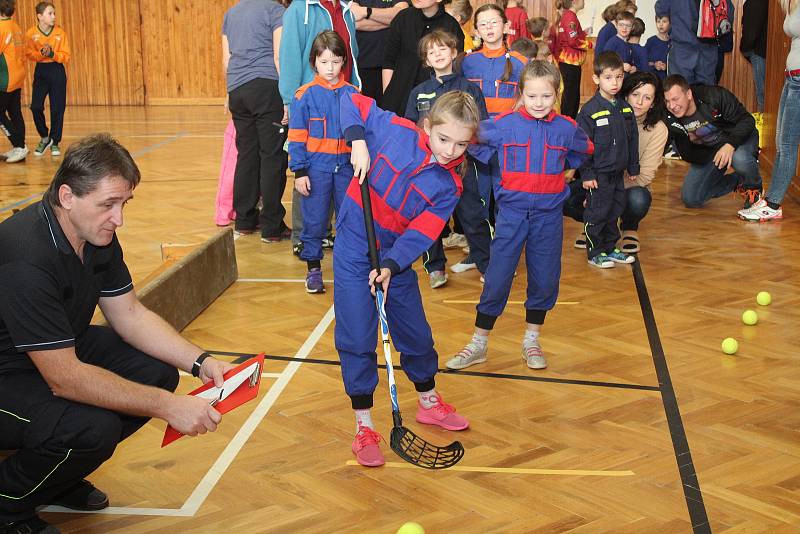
point(246, 379)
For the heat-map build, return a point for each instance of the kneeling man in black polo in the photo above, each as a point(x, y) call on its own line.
point(69, 391)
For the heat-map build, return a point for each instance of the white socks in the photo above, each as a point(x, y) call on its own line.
point(363, 418)
point(480, 341)
point(428, 399)
point(531, 338)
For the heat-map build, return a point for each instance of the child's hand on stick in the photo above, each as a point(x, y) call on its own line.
point(382, 278)
point(359, 157)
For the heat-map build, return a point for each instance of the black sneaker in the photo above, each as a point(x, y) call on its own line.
point(32, 525)
point(84, 497)
point(751, 196)
point(328, 241)
point(297, 248)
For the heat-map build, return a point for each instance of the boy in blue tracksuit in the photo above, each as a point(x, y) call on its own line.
point(690, 57)
point(414, 187)
point(438, 50)
point(611, 125)
point(318, 154)
point(657, 47)
point(534, 145)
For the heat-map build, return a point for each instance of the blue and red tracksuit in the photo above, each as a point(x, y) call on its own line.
point(318, 150)
point(485, 68)
point(533, 154)
point(412, 198)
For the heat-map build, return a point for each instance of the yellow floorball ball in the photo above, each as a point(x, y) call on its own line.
point(764, 298)
point(749, 317)
point(411, 528)
point(730, 345)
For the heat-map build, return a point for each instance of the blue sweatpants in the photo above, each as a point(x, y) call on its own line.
point(325, 186)
point(697, 63)
point(357, 319)
point(540, 233)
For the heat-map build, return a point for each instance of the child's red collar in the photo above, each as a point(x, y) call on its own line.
point(547, 118)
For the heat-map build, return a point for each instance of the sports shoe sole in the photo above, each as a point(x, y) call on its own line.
point(605, 265)
point(536, 366)
point(463, 267)
point(624, 262)
point(436, 422)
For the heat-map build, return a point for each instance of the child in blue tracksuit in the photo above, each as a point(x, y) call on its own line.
point(657, 47)
point(611, 125)
point(640, 60)
point(438, 49)
point(534, 146)
point(619, 43)
point(496, 70)
point(318, 154)
point(414, 187)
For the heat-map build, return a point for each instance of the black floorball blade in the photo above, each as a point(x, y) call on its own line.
point(415, 450)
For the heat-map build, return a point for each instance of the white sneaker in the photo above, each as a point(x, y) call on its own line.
point(454, 240)
point(760, 211)
point(16, 154)
point(463, 266)
point(469, 355)
point(533, 356)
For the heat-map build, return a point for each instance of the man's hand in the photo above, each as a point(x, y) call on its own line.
point(633, 177)
point(213, 369)
point(359, 13)
point(382, 278)
point(303, 185)
point(590, 184)
point(724, 156)
point(359, 158)
point(192, 415)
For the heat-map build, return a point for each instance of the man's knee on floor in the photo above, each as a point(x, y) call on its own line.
point(690, 200)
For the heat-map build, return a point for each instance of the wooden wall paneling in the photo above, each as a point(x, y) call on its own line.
point(737, 76)
point(181, 45)
point(106, 63)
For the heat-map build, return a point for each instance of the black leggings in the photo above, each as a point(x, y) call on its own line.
point(571, 99)
point(15, 124)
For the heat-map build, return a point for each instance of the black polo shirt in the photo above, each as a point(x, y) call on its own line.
point(47, 295)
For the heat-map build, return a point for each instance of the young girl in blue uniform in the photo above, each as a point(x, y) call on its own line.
point(414, 184)
point(318, 154)
point(534, 146)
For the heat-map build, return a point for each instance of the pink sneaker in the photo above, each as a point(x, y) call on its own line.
point(443, 415)
point(366, 447)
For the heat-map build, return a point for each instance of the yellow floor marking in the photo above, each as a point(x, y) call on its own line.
point(515, 470)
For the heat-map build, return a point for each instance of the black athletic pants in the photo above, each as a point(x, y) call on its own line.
point(15, 124)
point(571, 99)
point(59, 442)
point(604, 207)
point(49, 79)
point(371, 82)
point(257, 111)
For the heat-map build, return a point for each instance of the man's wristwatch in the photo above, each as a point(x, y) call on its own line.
point(198, 363)
point(369, 13)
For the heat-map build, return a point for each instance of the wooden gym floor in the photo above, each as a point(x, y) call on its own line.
point(638, 396)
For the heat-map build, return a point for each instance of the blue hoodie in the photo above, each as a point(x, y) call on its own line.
point(302, 22)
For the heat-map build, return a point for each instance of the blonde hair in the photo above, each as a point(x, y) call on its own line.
point(789, 5)
point(461, 9)
point(455, 106)
point(540, 69)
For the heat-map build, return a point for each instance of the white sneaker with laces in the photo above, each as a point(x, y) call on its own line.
point(16, 154)
point(760, 211)
point(470, 355)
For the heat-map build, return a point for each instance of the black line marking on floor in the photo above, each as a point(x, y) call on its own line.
point(242, 357)
point(689, 481)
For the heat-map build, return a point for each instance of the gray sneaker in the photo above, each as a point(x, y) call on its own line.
point(533, 356)
point(437, 279)
point(470, 355)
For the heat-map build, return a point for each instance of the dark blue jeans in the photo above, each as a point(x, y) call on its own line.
point(704, 182)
